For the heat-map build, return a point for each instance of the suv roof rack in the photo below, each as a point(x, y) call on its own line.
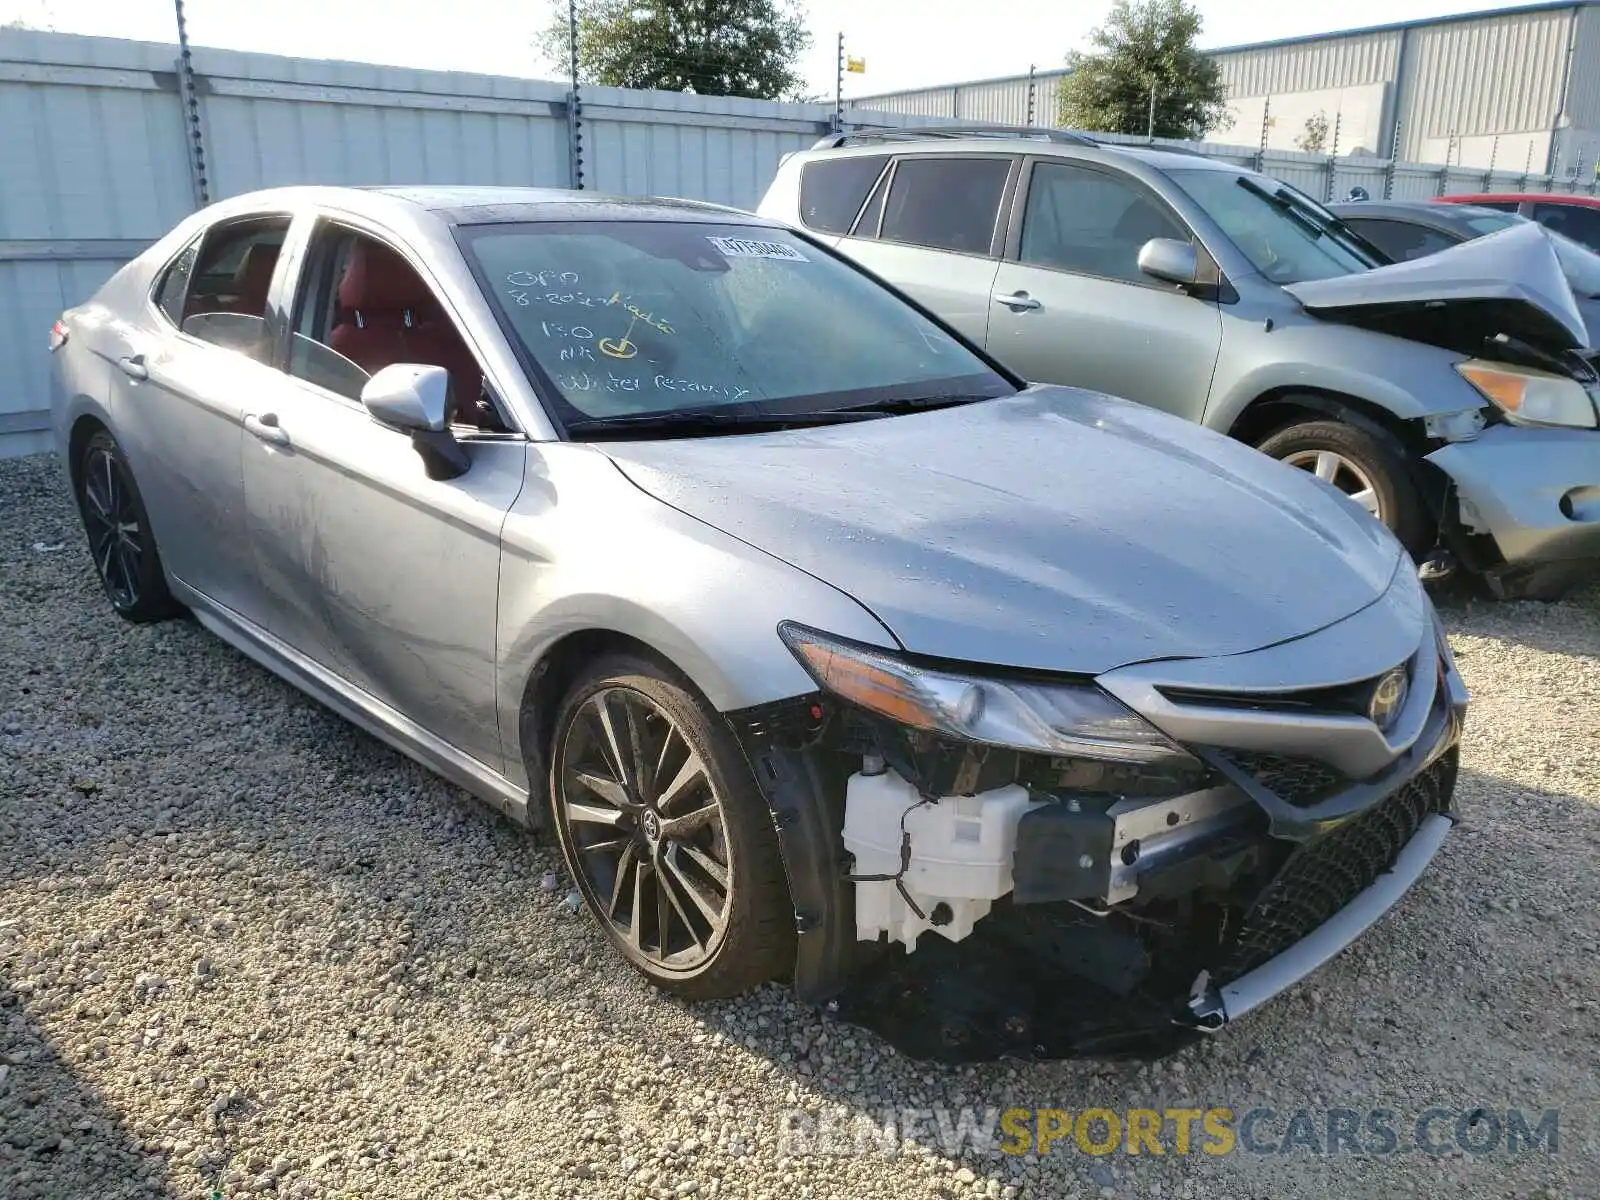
point(1064, 137)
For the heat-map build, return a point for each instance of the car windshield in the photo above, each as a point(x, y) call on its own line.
point(633, 320)
point(1486, 221)
point(1286, 235)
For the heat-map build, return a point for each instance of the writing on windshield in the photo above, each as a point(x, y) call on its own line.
point(632, 318)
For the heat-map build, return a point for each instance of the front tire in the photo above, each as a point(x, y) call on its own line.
point(1364, 466)
point(120, 541)
point(666, 833)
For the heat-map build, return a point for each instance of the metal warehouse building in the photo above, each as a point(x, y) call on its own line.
point(1513, 88)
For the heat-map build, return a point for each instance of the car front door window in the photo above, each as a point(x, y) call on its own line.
point(362, 307)
point(1091, 222)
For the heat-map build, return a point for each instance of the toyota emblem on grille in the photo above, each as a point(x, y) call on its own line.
point(1388, 697)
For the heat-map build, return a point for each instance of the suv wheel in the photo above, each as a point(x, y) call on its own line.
point(1362, 465)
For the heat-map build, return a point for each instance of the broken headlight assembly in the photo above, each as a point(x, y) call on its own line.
point(1531, 397)
point(1076, 720)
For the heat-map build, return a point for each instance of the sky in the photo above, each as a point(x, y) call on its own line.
point(906, 43)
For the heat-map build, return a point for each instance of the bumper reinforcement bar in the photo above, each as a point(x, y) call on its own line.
point(1212, 1007)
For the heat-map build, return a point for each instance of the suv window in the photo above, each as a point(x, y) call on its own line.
point(1580, 224)
point(945, 203)
point(1401, 240)
point(832, 189)
point(228, 284)
point(362, 307)
point(1091, 222)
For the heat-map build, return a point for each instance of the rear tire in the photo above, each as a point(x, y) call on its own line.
point(666, 833)
point(1366, 467)
point(121, 544)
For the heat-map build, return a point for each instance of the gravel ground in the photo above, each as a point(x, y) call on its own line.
point(236, 933)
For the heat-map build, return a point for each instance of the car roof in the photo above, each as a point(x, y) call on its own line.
point(1518, 197)
point(466, 205)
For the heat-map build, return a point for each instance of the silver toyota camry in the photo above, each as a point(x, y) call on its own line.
point(825, 647)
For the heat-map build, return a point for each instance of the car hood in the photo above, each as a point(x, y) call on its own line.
point(1057, 530)
point(1508, 282)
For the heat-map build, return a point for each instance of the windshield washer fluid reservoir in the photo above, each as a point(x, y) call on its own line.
point(961, 852)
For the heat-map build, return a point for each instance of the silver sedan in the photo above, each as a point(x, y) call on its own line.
point(820, 641)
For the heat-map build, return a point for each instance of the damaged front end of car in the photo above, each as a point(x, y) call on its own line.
point(992, 863)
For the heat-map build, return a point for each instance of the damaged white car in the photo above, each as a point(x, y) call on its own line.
point(1016, 719)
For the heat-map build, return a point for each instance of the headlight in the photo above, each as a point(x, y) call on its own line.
point(1530, 397)
point(1073, 720)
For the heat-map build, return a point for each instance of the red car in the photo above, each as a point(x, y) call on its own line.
point(1576, 216)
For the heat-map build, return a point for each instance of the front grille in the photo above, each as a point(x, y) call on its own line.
point(1327, 873)
point(1298, 781)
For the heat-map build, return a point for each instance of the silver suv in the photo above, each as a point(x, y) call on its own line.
point(1449, 397)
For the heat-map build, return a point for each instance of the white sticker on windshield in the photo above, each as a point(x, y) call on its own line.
point(748, 248)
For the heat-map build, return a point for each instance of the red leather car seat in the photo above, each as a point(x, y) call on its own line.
point(387, 315)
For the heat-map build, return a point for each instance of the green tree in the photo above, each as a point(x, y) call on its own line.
point(709, 47)
point(1145, 46)
point(1314, 138)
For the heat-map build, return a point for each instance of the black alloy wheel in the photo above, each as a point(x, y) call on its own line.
point(663, 829)
point(120, 543)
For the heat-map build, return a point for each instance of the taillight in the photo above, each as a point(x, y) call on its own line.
point(58, 336)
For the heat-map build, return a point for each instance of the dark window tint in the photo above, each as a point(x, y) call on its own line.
point(945, 203)
point(227, 299)
point(1401, 240)
point(1498, 205)
point(362, 307)
point(1580, 224)
point(1091, 222)
point(174, 285)
point(832, 189)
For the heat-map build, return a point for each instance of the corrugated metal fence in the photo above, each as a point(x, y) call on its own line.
point(94, 156)
point(95, 163)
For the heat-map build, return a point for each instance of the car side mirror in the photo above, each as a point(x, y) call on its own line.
point(1170, 260)
point(415, 399)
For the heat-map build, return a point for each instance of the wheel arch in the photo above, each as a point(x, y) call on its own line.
point(84, 427)
point(1289, 405)
point(550, 679)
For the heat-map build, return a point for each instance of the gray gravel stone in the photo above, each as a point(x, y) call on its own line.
point(377, 994)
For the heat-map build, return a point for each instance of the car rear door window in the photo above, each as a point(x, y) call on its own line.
point(833, 189)
point(226, 302)
point(173, 289)
point(1091, 222)
point(1401, 240)
point(1580, 224)
point(945, 203)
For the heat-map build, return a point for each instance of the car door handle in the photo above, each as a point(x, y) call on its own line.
point(133, 367)
point(1017, 301)
point(266, 428)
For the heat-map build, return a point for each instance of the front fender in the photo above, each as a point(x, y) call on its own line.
point(584, 549)
point(1407, 379)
